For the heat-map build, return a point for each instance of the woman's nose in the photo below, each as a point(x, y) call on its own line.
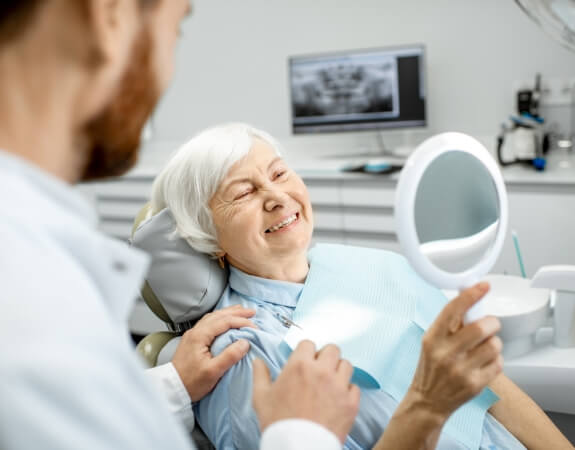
point(275, 199)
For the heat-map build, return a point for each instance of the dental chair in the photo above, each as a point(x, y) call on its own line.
point(182, 285)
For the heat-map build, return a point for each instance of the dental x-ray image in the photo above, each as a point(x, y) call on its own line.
point(345, 87)
point(355, 90)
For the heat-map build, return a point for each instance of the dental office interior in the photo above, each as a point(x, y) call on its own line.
point(351, 90)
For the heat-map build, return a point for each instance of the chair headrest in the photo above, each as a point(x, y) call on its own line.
point(185, 282)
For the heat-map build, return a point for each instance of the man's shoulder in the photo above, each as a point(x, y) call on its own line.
point(42, 285)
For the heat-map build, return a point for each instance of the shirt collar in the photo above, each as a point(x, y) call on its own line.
point(52, 187)
point(276, 292)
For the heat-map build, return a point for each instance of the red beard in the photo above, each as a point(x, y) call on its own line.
point(114, 135)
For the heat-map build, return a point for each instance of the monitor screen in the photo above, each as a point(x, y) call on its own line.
point(358, 90)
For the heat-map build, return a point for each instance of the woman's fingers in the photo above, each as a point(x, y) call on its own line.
point(473, 334)
point(491, 370)
point(484, 353)
point(451, 317)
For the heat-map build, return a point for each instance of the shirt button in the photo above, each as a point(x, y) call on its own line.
point(119, 266)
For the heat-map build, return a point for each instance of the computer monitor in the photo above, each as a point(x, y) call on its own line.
point(358, 90)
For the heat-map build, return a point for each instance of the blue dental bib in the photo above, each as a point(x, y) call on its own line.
point(376, 308)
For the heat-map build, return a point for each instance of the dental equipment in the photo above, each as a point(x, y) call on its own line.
point(518, 253)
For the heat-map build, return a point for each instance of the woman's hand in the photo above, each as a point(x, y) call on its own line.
point(193, 361)
point(457, 361)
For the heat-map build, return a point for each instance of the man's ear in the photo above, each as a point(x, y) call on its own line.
point(114, 25)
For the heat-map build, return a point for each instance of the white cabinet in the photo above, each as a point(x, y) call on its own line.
point(543, 215)
point(353, 209)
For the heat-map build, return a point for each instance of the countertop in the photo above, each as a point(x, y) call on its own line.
point(560, 169)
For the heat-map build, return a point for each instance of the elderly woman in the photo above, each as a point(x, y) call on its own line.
point(233, 196)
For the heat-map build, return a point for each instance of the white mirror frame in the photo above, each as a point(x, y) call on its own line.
point(405, 195)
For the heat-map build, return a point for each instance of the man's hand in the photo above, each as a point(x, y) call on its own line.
point(457, 361)
point(193, 361)
point(311, 386)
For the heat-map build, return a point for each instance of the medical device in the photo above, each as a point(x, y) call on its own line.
point(358, 90)
point(524, 141)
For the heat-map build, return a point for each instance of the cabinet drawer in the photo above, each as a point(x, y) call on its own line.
point(368, 193)
point(137, 189)
point(370, 220)
point(327, 218)
point(119, 209)
point(324, 192)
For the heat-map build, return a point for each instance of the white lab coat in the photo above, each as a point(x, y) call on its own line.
point(69, 375)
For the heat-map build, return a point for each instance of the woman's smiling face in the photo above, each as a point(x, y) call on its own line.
point(262, 212)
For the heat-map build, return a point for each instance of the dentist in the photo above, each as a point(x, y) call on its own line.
point(78, 80)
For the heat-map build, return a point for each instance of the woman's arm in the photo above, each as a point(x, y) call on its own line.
point(455, 364)
point(412, 426)
point(523, 418)
point(226, 414)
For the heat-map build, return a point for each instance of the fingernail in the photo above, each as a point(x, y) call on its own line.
point(484, 285)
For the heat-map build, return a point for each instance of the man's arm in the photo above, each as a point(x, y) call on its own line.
point(298, 434)
point(193, 371)
point(167, 380)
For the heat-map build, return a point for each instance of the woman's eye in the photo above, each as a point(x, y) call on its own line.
point(279, 174)
point(242, 195)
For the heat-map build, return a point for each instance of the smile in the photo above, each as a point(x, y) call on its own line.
point(284, 223)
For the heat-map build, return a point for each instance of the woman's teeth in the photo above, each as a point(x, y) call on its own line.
point(285, 223)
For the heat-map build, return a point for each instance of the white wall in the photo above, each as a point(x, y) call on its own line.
point(232, 62)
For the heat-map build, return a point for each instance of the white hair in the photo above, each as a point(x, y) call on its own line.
point(192, 176)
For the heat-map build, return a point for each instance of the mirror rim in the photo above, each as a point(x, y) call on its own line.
point(405, 196)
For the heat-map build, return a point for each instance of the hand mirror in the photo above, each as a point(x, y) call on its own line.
point(451, 212)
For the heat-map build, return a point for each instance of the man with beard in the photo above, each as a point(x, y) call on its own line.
point(78, 80)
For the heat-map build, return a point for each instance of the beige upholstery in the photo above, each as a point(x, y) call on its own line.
point(151, 346)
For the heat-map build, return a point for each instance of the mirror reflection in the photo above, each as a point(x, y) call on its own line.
point(456, 211)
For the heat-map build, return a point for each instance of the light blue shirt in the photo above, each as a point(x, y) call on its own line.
point(226, 414)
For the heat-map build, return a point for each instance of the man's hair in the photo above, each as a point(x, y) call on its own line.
point(15, 15)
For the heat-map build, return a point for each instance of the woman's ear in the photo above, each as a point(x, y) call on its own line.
point(221, 259)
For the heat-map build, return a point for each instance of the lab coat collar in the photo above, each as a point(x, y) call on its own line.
point(276, 292)
point(49, 185)
point(52, 209)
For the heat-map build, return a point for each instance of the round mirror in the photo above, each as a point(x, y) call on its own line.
point(451, 211)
